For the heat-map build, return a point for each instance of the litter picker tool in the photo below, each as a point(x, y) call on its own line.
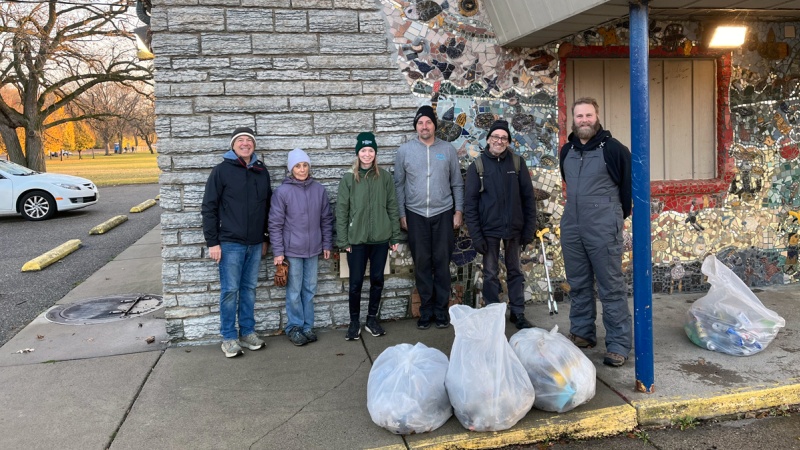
point(552, 306)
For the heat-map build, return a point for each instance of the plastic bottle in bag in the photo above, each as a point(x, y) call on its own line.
point(488, 386)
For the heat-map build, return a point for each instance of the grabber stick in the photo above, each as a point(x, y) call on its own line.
point(552, 306)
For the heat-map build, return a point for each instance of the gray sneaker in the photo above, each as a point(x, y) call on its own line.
point(297, 337)
point(231, 348)
point(310, 335)
point(252, 342)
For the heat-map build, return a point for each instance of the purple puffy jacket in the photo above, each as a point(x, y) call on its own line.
point(300, 219)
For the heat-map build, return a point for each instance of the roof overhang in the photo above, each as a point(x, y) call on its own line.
point(533, 23)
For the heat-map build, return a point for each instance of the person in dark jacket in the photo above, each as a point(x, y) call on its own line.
point(235, 208)
point(501, 207)
point(597, 171)
point(367, 226)
point(301, 226)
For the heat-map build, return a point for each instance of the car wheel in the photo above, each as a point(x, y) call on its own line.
point(37, 205)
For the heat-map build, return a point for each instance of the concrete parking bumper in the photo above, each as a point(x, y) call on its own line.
point(143, 206)
point(48, 258)
point(108, 225)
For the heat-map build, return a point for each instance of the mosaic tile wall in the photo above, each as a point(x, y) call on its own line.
point(449, 56)
point(313, 73)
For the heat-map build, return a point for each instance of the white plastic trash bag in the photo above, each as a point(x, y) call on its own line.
point(562, 376)
point(405, 391)
point(488, 387)
point(730, 318)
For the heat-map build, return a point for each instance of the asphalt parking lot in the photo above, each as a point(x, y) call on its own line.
point(23, 296)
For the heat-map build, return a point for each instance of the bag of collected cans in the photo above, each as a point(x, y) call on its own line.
point(562, 376)
point(488, 386)
point(730, 318)
point(405, 390)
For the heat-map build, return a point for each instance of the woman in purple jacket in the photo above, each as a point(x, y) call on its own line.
point(300, 228)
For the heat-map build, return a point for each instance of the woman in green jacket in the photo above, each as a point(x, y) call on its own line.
point(367, 225)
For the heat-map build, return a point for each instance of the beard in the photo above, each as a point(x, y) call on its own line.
point(586, 132)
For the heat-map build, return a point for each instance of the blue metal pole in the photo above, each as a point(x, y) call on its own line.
point(640, 171)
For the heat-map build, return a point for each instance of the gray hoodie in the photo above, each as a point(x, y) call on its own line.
point(427, 179)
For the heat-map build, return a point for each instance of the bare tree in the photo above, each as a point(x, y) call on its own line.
point(52, 52)
point(112, 108)
point(143, 121)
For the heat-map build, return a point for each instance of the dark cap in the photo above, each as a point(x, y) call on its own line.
point(425, 111)
point(500, 125)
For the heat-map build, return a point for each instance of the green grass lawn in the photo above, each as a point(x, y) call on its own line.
point(111, 170)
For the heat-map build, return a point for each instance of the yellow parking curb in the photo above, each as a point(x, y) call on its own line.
point(590, 424)
point(44, 260)
point(664, 412)
point(108, 224)
point(144, 205)
point(158, 197)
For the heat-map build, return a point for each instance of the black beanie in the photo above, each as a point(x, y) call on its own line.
point(425, 111)
point(242, 131)
point(366, 139)
point(500, 124)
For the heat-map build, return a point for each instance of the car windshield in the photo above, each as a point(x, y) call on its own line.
point(15, 169)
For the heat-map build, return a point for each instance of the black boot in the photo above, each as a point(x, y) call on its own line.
point(520, 321)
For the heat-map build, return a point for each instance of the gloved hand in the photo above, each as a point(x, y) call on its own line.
point(282, 274)
point(480, 246)
point(525, 242)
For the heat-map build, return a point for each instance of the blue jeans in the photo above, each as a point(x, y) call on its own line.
point(300, 290)
point(238, 275)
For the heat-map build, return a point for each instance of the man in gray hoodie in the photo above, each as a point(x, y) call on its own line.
point(430, 199)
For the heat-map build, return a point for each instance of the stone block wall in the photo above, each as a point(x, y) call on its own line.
point(301, 73)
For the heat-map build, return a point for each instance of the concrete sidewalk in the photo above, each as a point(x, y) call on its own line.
point(103, 385)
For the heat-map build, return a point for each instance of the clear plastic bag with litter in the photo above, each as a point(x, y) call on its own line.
point(730, 318)
point(562, 376)
point(487, 384)
point(405, 390)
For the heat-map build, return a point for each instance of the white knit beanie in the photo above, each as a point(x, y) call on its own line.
point(297, 156)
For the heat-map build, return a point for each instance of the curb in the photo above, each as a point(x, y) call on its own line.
point(664, 412)
point(619, 419)
point(44, 260)
point(108, 224)
point(585, 425)
point(144, 205)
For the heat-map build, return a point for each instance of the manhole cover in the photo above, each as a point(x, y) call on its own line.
point(104, 309)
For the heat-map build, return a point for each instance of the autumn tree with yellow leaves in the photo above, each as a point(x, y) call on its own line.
point(53, 52)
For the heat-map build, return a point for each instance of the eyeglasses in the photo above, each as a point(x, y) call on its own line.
point(498, 138)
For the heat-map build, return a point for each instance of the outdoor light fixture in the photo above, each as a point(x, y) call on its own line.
point(143, 39)
point(728, 36)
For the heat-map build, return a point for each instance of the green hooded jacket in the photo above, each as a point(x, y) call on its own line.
point(366, 211)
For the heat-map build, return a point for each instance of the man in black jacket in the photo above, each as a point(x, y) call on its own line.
point(597, 171)
point(235, 211)
point(499, 205)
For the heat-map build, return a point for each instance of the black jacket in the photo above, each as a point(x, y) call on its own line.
point(616, 156)
point(236, 203)
point(506, 208)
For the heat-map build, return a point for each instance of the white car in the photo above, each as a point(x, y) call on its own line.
point(37, 196)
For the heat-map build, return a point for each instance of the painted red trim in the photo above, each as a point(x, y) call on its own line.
point(675, 195)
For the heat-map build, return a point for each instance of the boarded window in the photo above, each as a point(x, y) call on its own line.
point(682, 110)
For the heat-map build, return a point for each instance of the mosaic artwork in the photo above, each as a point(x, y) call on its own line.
point(448, 53)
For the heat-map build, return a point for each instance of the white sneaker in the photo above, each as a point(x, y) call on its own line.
point(252, 342)
point(231, 348)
